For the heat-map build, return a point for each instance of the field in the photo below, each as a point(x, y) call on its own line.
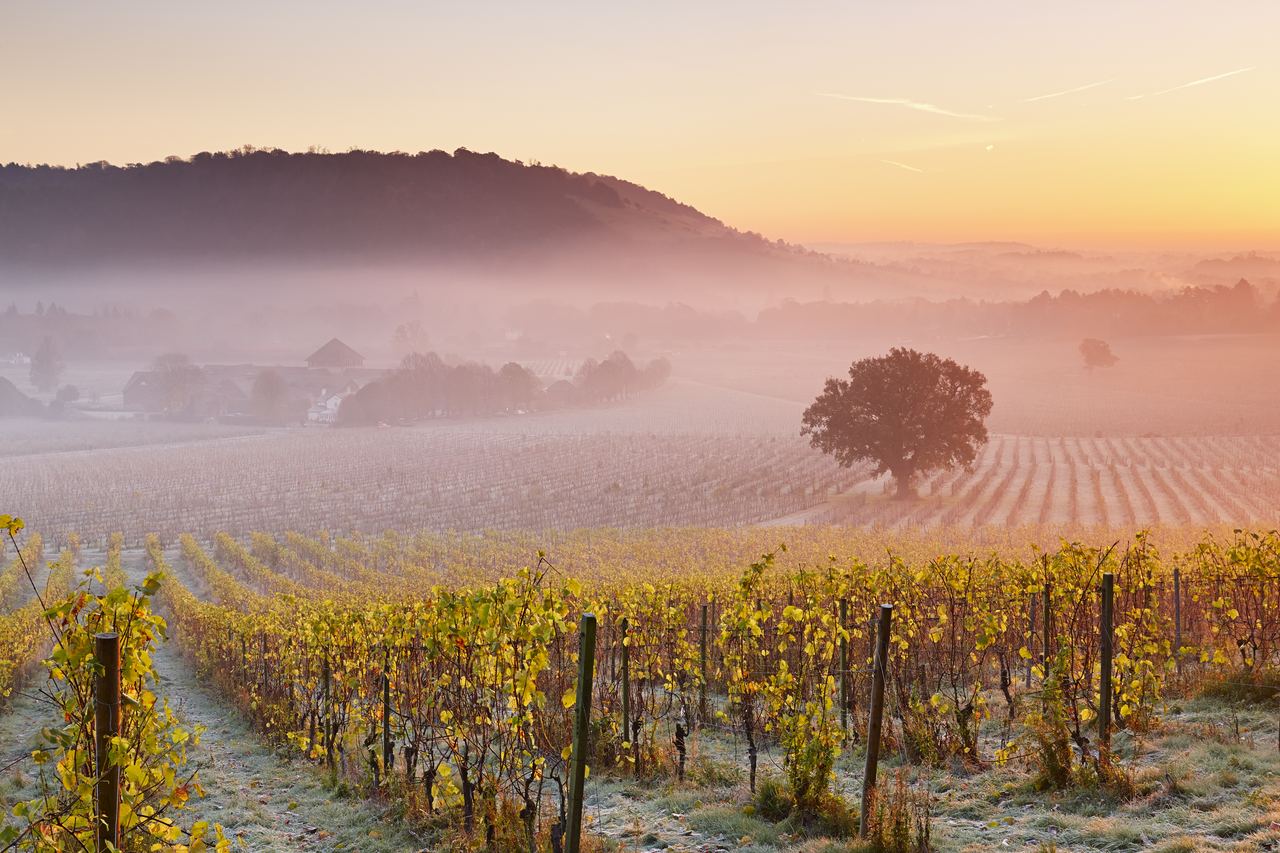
point(688, 454)
point(1117, 482)
point(323, 646)
point(1158, 439)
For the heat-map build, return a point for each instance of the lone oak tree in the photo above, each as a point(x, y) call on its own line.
point(908, 412)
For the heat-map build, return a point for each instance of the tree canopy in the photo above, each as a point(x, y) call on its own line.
point(1097, 353)
point(424, 386)
point(269, 398)
point(179, 381)
point(46, 365)
point(907, 412)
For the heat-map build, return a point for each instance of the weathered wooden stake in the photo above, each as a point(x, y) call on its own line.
point(328, 721)
point(626, 687)
point(1177, 619)
point(106, 712)
point(388, 754)
point(581, 730)
point(1031, 618)
point(1046, 645)
point(879, 667)
point(844, 667)
point(1105, 644)
point(702, 662)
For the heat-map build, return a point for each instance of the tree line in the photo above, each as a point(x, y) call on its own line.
point(1217, 309)
point(425, 387)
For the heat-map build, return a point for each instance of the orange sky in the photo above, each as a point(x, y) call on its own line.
point(1091, 123)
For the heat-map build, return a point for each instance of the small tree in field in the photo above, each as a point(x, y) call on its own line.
point(179, 381)
point(46, 365)
point(1096, 353)
point(908, 412)
point(269, 398)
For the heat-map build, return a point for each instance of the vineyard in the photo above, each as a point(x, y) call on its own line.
point(423, 479)
point(443, 478)
point(1112, 482)
point(438, 672)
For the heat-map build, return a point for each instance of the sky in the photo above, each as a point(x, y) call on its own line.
point(1108, 124)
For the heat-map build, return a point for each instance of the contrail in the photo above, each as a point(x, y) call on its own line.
point(902, 165)
point(1083, 88)
point(1200, 82)
point(911, 105)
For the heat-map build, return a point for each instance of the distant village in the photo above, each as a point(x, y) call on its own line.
point(336, 388)
point(59, 356)
point(312, 393)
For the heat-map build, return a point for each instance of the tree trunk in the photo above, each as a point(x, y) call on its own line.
point(905, 488)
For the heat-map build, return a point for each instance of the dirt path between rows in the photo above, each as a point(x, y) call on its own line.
point(265, 801)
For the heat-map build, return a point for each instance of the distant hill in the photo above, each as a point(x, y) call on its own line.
point(1255, 266)
point(463, 209)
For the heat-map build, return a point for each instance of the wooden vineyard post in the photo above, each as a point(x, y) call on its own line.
point(1177, 619)
point(388, 756)
point(1105, 643)
point(844, 667)
point(1031, 618)
point(718, 661)
point(879, 666)
point(106, 713)
point(581, 729)
point(1048, 626)
point(328, 721)
point(626, 690)
point(702, 663)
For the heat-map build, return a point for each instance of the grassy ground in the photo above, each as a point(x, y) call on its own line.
point(264, 800)
point(20, 724)
point(1207, 779)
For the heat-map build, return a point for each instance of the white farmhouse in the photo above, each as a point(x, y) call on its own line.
point(325, 408)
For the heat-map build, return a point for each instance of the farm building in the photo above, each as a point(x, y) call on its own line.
point(335, 354)
point(561, 394)
point(325, 409)
point(225, 390)
point(142, 393)
point(217, 392)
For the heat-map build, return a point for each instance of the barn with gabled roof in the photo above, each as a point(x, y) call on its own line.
point(335, 354)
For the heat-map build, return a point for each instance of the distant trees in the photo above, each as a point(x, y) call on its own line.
point(1069, 315)
point(1097, 353)
point(424, 386)
point(269, 397)
point(66, 394)
point(178, 380)
point(609, 379)
point(908, 412)
point(617, 377)
point(46, 365)
point(518, 388)
point(409, 338)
